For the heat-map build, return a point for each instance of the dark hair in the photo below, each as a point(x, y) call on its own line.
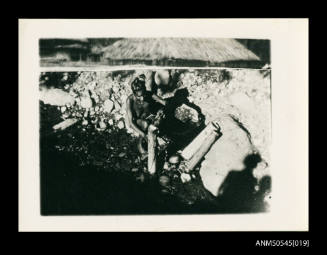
point(138, 84)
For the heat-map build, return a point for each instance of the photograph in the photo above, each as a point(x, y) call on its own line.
point(155, 126)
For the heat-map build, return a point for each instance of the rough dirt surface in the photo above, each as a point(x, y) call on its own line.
point(238, 98)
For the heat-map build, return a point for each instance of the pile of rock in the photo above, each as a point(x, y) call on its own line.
point(244, 94)
point(99, 100)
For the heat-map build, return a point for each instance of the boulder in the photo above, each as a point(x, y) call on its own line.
point(102, 125)
point(55, 96)
point(110, 122)
point(108, 106)
point(86, 102)
point(121, 124)
point(186, 114)
point(226, 154)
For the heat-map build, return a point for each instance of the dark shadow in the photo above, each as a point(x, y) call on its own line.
point(180, 133)
point(67, 188)
point(260, 205)
point(237, 194)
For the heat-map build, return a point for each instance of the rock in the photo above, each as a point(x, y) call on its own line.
point(121, 124)
point(123, 98)
point(65, 115)
point(115, 88)
point(110, 122)
point(85, 122)
point(122, 154)
point(185, 177)
point(185, 113)
point(118, 116)
point(63, 109)
point(174, 159)
point(55, 96)
point(166, 166)
point(164, 180)
point(102, 125)
point(161, 142)
point(86, 102)
point(117, 106)
point(135, 169)
point(108, 106)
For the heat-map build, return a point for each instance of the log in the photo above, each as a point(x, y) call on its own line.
point(202, 151)
point(194, 146)
point(152, 144)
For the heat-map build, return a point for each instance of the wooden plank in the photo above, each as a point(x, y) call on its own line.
point(202, 151)
point(192, 148)
point(152, 144)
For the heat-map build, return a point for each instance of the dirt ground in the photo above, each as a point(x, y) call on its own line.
point(93, 166)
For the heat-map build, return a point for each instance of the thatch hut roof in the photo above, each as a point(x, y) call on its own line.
point(209, 50)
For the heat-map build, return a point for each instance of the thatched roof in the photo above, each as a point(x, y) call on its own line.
point(194, 49)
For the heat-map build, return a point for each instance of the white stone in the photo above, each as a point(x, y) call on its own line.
point(115, 88)
point(55, 96)
point(185, 177)
point(86, 102)
point(102, 125)
point(117, 106)
point(123, 98)
point(121, 124)
point(108, 105)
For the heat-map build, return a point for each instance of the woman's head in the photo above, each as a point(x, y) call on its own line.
point(138, 88)
point(138, 84)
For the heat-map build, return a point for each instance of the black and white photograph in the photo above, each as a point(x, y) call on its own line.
point(162, 137)
point(132, 129)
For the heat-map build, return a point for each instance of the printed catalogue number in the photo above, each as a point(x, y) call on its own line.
point(287, 243)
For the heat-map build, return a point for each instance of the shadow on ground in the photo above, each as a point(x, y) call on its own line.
point(240, 192)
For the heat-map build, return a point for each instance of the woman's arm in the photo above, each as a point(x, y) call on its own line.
point(131, 123)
